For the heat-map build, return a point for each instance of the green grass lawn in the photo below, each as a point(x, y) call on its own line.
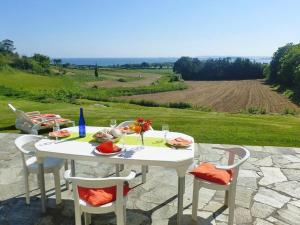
point(61, 87)
point(206, 127)
point(17, 80)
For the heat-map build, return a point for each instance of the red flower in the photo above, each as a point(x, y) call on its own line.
point(142, 125)
point(140, 120)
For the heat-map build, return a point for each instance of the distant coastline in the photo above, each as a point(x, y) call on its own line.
point(122, 61)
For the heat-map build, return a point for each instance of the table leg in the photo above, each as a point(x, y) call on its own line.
point(73, 172)
point(181, 184)
point(42, 184)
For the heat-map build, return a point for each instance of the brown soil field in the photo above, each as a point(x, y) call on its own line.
point(225, 96)
point(145, 81)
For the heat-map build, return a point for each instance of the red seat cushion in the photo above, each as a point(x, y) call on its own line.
point(209, 172)
point(100, 196)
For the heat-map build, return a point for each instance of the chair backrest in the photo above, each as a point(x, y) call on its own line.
point(243, 154)
point(21, 116)
point(12, 107)
point(23, 140)
point(128, 123)
point(98, 183)
point(26, 139)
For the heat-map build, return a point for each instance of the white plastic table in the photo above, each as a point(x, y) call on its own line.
point(179, 159)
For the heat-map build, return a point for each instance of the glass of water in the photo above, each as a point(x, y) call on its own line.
point(123, 137)
point(56, 127)
point(165, 129)
point(113, 123)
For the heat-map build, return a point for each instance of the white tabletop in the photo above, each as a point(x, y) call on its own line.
point(155, 156)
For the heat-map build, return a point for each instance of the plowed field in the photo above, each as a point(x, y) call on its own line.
point(225, 96)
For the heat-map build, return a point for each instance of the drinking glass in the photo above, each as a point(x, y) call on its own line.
point(123, 137)
point(56, 127)
point(113, 123)
point(165, 129)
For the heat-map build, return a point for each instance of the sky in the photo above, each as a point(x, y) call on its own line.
point(149, 28)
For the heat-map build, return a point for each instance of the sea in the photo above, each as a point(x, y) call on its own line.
point(122, 61)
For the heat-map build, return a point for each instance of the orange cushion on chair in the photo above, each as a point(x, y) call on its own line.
point(100, 196)
point(209, 172)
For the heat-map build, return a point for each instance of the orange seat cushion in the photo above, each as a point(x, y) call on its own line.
point(209, 172)
point(100, 196)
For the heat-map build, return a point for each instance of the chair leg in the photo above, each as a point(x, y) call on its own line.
point(57, 186)
point(26, 181)
point(66, 168)
point(120, 216)
point(124, 214)
point(77, 216)
point(87, 218)
point(226, 198)
point(195, 200)
point(231, 201)
point(38, 178)
point(144, 174)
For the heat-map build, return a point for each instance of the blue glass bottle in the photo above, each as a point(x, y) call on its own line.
point(81, 124)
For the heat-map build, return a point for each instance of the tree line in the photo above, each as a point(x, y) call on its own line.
point(284, 70)
point(38, 63)
point(218, 69)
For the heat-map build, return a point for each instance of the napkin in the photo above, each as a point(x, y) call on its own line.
point(107, 147)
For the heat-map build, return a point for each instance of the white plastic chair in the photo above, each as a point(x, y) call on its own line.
point(82, 207)
point(230, 188)
point(51, 165)
point(25, 123)
point(144, 169)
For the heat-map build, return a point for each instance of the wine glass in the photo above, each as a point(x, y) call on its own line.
point(113, 123)
point(123, 137)
point(56, 128)
point(165, 129)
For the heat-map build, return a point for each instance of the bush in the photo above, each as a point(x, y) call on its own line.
point(288, 93)
point(180, 105)
point(288, 111)
point(256, 110)
point(144, 103)
point(121, 80)
point(174, 78)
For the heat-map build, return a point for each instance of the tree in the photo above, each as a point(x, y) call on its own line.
point(7, 46)
point(57, 61)
point(43, 60)
point(275, 62)
point(96, 71)
point(288, 73)
point(145, 65)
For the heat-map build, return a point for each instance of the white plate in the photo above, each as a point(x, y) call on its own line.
point(178, 145)
point(106, 154)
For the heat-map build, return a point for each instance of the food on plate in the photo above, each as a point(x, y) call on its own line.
point(179, 142)
point(126, 129)
point(108, 147)
point(60, 134)
point(106, 135)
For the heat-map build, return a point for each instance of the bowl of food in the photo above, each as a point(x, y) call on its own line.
point(107, 135)
point(126, 130)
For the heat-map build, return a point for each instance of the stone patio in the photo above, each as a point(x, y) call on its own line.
point(268, 191)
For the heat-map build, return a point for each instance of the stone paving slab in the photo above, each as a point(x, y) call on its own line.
point(268, 191)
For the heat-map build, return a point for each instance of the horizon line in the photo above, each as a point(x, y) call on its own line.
point(162, 57)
